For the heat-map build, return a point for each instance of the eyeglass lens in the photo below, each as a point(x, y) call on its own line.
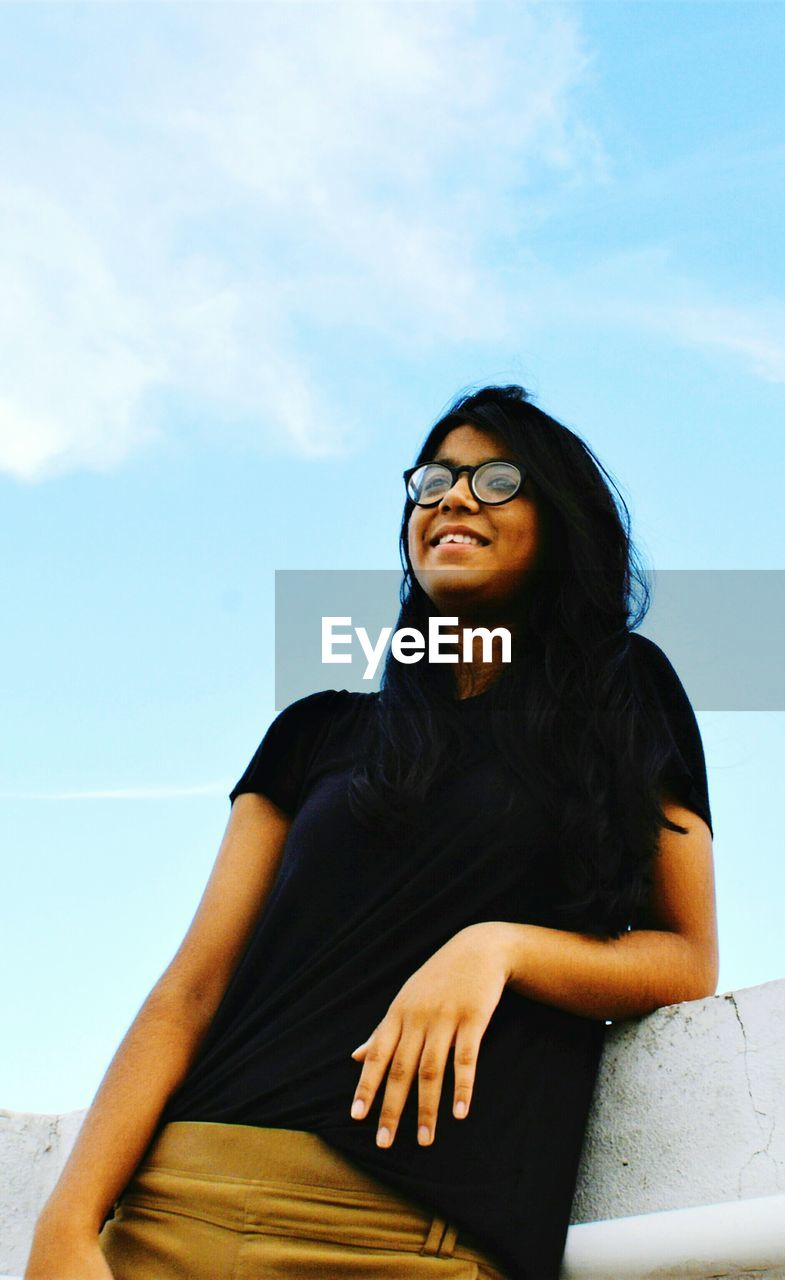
point(491, 482)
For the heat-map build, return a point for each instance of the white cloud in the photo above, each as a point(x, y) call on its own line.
point(394, 141)
point(258, 198)
point(336, 166)
point(77, 349)
point(643, 290)
point(756, 334)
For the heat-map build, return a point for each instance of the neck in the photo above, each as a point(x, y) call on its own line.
point(475, 674)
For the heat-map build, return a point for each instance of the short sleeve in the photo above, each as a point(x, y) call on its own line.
point(279, 766)
point(685, 774)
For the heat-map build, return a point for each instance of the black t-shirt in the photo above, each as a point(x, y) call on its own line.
point(350, 918)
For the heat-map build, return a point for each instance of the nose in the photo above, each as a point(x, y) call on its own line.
point(459, 495)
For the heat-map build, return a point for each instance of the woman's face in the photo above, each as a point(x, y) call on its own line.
point(462, 578)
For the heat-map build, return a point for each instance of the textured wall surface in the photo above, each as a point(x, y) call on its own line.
point(33, 1150)
point(686, 1113)
point(687, 1107)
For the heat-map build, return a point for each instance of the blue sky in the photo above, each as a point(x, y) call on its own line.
point(248, 253)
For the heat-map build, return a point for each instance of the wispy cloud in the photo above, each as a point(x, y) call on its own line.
point(123, 793)
point(78, 350)
point(335, 168)
point(644, 290)
point(214, 237)
point(756, 334)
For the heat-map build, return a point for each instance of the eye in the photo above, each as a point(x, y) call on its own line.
point(429, 482)
point(498, 480)
point(501, 484)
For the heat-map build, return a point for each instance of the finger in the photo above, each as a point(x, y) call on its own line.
point(430, 1080)
point(467, 1048)
point(399, 1081)
point(377, 1053)
point(360, 1051)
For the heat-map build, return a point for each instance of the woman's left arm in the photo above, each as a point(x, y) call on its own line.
point(674, 957)
point(448, 1003)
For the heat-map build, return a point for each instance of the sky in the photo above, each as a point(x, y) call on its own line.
point(249, 252)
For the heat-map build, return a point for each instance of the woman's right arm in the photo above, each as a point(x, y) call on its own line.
point(159, 1047)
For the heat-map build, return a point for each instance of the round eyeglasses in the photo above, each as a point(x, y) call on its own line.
point(493, 482)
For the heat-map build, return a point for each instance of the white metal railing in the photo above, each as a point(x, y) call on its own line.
point(739, 1238)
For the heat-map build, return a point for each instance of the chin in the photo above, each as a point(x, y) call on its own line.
point(452, 596)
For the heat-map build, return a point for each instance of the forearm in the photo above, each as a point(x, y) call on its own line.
point(599, 978)
point(147, 1067)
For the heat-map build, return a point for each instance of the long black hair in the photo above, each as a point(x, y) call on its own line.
point(566, 713)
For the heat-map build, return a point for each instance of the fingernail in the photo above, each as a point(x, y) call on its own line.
point(358, 1109)
point(460, 1110)
point(383, 1137)
point(423, 1134)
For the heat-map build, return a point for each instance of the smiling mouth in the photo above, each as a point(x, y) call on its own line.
point(457, 547)
point(459, 540)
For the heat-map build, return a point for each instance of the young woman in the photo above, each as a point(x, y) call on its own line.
point(374, 1052)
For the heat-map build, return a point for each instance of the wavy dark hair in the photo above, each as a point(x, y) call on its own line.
point(567, 713)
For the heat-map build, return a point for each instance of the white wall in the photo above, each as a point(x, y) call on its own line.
point(33, 1150)
point(687, 1107)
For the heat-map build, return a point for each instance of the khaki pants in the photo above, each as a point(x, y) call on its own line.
point(236, 1202)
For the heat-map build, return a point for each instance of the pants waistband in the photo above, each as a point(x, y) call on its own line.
point(241, 1151)
point(279, 1157)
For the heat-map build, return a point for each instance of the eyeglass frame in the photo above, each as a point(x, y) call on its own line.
point(456, 472)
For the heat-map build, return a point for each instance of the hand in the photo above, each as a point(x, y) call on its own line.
point(447, 1002)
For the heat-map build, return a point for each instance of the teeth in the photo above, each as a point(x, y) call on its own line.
point(459, 537)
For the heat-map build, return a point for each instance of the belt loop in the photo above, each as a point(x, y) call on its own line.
point(448, 1244)
point(433, 1240)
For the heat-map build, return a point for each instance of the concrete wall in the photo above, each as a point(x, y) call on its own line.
point(689, 1108)
point(686, 1113)
point(33, 1150)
